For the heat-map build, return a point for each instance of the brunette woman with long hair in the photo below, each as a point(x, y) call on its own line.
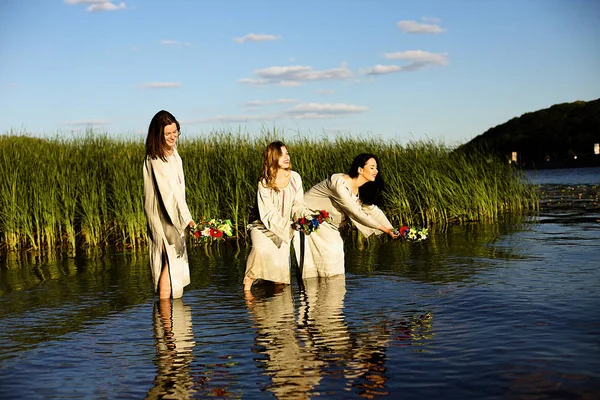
point(353, 196)
point(166, 210)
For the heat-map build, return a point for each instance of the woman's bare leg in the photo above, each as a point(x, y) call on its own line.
point(248, 282)
point(164, 282)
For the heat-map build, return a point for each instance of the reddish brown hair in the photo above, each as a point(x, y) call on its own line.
point(270, 164)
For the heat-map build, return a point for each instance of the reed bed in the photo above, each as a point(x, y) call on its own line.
point(86, 192)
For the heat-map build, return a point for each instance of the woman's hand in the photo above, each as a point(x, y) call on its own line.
point(192, 224)
point(393, 233)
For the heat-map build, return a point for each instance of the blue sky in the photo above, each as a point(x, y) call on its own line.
point(445, 70)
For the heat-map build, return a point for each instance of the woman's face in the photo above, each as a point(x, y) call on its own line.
point(284, 159)
point(171, 135)
point(369, 171)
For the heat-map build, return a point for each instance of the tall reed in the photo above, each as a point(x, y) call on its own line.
point(86, 192)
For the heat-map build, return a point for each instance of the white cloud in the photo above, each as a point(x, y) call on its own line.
point(255, 37)
point(87, 122)
point(261, 103)
point(135, 48)
point(389, 69)
point(324, 110)
point(300, 111)
point(98, 5)
point(106, 6)
point(159, 85)
point(167, 42)
point(324, 91)
point(253, 81)
point(13, 85)
point(419, 56)
point(419, 59)
point(420, 27)
point(381, 69)
point(293, 75)
point(288, 83)
point(232, 119)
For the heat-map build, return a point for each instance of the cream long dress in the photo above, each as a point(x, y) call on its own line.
point(168, 215)
point(271, 234)
point(324, 249)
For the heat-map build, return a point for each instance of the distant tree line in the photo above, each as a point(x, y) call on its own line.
point(556, 137)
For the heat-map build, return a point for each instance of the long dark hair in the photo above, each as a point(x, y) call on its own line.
point(371, 192)
point(155, 141)
point(270, 164)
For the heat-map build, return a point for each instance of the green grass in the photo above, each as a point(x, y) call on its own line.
point(86, 192)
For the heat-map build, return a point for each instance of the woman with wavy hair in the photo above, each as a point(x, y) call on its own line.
point(279, 202)
point(346, 197)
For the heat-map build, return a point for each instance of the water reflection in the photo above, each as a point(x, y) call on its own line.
point(356, 358)
point(456, 255)
point(311, 350)
point(174, 339)
point(293, 369)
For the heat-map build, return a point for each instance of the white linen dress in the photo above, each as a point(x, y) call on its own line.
point(168, 215)
point(323, 253)
point(271, 233)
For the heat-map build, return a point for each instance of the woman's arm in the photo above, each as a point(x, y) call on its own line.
point(299, 207)
point(270, 213)
point(171, 194)
point(341, 195)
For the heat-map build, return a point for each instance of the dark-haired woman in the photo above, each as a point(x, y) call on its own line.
point(279, 202)
point(352, 196)
point(165, 206)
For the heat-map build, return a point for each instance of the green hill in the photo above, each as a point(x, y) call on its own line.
point(559, 136)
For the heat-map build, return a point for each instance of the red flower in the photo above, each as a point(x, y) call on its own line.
point(302, 220)
point(215, 232)
point(403, 230)
point(197, 234)
point(324, 214)
point(320, 219)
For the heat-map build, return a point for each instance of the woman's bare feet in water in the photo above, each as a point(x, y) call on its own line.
point(248, 283)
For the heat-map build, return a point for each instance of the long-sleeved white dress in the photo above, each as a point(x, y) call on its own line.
point(168, 215)
point(323, 253)
point(271, 233)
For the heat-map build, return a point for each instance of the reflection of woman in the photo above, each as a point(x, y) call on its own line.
point(322, 317)
point(352, 196)
point(174, 340)
point(166, 210)
point(279, 201)
point(293, 368)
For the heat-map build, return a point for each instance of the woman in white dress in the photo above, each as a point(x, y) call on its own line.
point(279, 202)
point(166, 210)
point(352, 196)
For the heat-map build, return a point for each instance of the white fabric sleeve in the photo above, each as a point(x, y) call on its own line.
point(299, 207)
point(374, 212)
point(270, 214)
point(351, 208)
point(171, 194)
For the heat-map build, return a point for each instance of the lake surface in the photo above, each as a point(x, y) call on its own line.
point(507, 311)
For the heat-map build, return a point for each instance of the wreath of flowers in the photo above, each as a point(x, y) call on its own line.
point(212, 229)
point(311, 223)
point(412, 234)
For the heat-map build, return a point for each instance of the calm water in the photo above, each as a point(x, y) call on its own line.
point(481, 311)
